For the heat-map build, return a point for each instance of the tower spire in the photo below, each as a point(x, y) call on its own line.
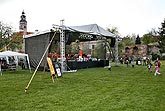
point(23, 23)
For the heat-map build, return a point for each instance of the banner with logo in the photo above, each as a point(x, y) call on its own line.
point(52, 71)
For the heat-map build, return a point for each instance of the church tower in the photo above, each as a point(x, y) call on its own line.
point(23, 23)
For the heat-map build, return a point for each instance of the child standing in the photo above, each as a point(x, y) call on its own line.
point(126, 62)
point(132, 62)
point(156, 69)
point(149, 67)
point(159, 63)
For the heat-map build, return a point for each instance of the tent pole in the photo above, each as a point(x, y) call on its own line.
point(0, 69)
point(27, 57)
point(116, 52)
point(26, 88)
point(42, 76)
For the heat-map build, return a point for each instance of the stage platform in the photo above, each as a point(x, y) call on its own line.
point(73, 64)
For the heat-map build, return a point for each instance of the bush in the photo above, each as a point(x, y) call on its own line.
point(162, 58)
point(155, 56)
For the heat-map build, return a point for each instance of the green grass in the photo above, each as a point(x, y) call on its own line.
point(93, 89)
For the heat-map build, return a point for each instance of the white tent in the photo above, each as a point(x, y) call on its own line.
point(15, 54)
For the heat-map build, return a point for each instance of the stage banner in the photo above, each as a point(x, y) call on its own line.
point(58, 72)
point(52, 71)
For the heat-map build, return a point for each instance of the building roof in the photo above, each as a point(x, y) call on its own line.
point(154, 44)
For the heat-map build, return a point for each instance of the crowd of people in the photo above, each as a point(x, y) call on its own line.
point(3, 63)
point(10, 63)
point(143, 61)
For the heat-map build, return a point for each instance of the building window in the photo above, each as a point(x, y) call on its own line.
point(93, 46)
point(127, 50)
point(135, 50)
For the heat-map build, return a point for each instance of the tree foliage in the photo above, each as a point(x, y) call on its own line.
point(8, 39)
point(113, 30)
point(128, 40)
point(147, 38)
point(16, 41)
point(5, 33)
point(5, 30)
point(111, 42)
point(150, 37)
point(138, 40)
point(162, 37)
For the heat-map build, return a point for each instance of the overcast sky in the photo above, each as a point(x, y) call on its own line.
point(129, 16)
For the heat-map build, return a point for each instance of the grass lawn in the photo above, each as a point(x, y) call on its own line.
point(93, 89)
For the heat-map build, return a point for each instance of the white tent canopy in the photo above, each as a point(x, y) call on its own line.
point(16, 54)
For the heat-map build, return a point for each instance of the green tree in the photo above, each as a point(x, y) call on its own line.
point(113, 30)
point(111, 42)
point(16, 41)
point(8, 39)
point(5, 34)
point(138, 40)
point(162, 37)
point(128, 40)
point(147, 38)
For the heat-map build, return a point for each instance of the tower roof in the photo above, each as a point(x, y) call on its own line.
point(23, 12)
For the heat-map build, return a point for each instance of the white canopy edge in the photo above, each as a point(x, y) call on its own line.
point(16, 54)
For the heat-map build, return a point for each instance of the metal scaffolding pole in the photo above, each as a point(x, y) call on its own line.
point(62, 46)
point(116, 52)
point(62, 59)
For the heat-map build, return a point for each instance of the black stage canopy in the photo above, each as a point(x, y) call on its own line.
point(35, 44)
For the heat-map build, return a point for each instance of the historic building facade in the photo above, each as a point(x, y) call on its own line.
point(138, 49)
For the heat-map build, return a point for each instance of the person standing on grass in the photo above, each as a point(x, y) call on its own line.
point(133, 63)
point(144, 61)
point(126, 62)
point(156, 61)
point(159, 63)
point(149, 67)
point(156, 69)
point(149, 64)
